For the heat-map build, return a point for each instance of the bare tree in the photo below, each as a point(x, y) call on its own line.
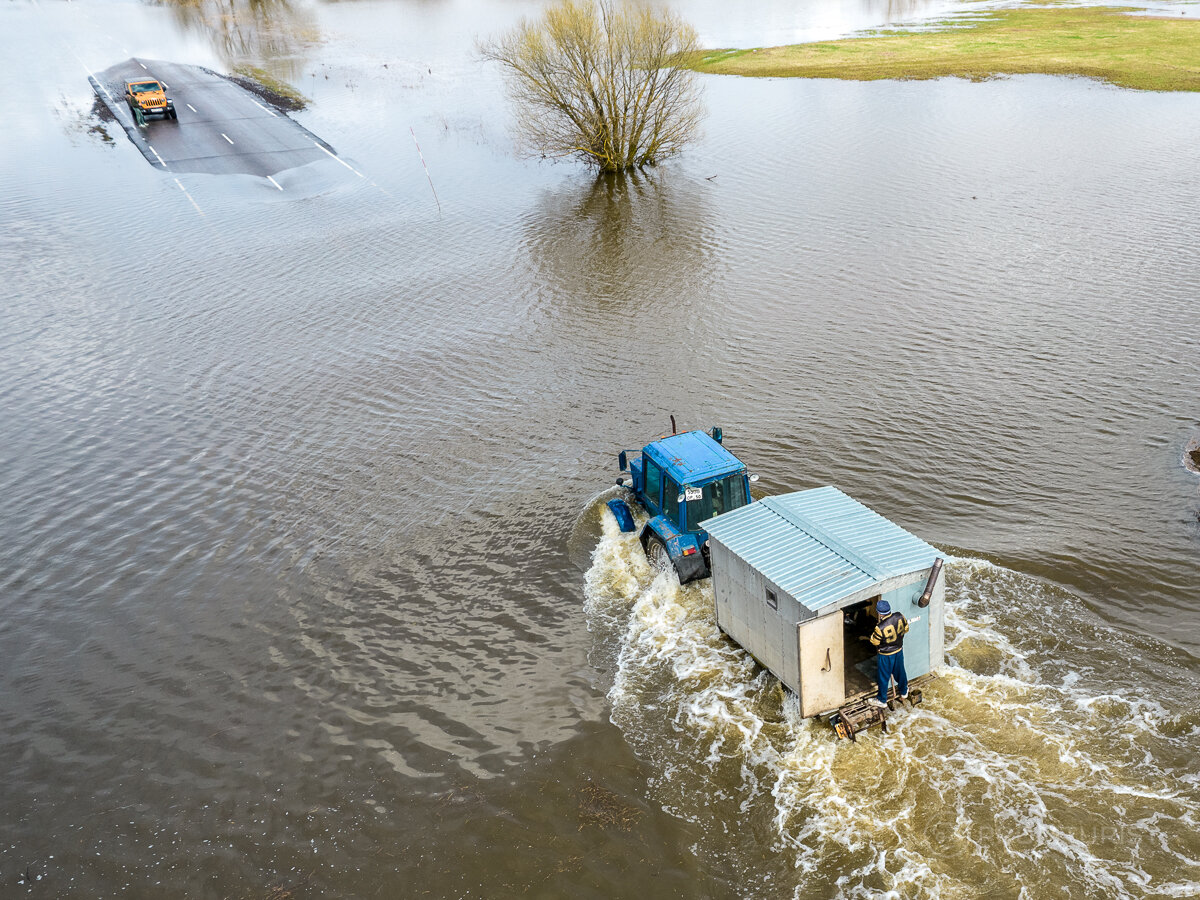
point(598, 80)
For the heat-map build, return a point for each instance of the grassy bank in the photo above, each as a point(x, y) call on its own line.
point(1142, 52)
point(261, 82)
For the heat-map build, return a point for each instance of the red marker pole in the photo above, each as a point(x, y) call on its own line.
point(426, 168)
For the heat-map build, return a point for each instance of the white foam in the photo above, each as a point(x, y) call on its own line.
point(1016, 773)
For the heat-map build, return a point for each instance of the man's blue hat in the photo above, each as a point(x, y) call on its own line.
point(883, 607)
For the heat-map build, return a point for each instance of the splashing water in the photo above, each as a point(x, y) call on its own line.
point(1054, 756)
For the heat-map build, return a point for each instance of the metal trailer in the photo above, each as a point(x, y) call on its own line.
point(796, 578)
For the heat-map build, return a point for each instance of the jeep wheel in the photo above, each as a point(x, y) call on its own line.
point(657, 555)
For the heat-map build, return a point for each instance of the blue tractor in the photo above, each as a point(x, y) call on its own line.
point(680, 481)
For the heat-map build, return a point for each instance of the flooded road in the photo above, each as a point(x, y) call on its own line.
point(304, 578)
point(210, 112)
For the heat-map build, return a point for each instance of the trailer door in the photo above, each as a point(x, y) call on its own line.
point(822, 678)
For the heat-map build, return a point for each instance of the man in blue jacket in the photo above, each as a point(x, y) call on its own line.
point(888, 636)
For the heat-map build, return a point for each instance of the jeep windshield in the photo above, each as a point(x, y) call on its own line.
point(145, 87)
point(718, 497)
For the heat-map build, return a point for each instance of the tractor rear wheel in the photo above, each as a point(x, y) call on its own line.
point(657, 555)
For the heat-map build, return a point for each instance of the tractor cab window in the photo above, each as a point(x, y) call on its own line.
point(671, 500)
point(654, 483)
point(718, 497)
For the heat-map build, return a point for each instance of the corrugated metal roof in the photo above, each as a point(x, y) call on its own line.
point(693, 456)
point(820, 545)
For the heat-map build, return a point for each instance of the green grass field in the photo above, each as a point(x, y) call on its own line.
point(1142, 52)
point(283, 93)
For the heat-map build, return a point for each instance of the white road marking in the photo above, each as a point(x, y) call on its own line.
point(143, 65)
point(94, 78)
point(189, 196)
point(159, 158)
point(224, 135)
point(263, 108)
point(274, 182)
point(342, 161)
point(192, 108)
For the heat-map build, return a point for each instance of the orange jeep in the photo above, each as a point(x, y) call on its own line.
point(148, 98)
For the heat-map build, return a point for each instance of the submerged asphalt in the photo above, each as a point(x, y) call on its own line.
point(222, 128)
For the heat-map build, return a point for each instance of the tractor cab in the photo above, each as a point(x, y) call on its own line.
point(679, 481)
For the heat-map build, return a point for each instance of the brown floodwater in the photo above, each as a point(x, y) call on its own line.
point(304, 579)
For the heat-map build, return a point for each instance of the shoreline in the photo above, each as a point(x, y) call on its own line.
point(1140, 52)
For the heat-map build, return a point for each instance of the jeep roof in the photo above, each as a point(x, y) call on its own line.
point(693, 457)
